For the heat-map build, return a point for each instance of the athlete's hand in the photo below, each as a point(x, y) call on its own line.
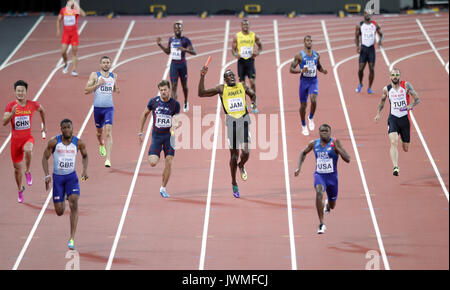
point(305, 69)
point(254, 108)
point(297, 172)
point(13, 110)
point(100, 81)
point(255, 53)
point(158, 40)
point(380, 43)
point(377, 117)
point(84, 176)
point(182, 49)
point(324, 71)
point(358, 49)
point(47, 180)
point(140, 138)
point(204, 70)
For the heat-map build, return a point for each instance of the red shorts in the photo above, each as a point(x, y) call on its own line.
point(70, 38)
point(17, 148)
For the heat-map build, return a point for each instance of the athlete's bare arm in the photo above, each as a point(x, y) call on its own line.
point(381, 105)
point(116, 87)
point(77, 6)
point(82, 148)
point(234, 48)
point(302, 156)
point(412, 92)
point(142, 123)
point(202, 92)
point(7, 116)
point(341, 151)
point(165, 49)
point(92, 83)
point(58, 25)
point(44, 122)
point(190, 49)
point(357, 35)
point(259, 44)
point(320, 67)
point(251, 94)
point(380, 34)
point(47, 153)
point(295, 69)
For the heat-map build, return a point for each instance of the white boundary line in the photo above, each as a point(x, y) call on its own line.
point(355, 149)
point(41, 214)
point(431, 43)
point(213, 154)
point(22, 42)
point(285, 158)
point(416, 125)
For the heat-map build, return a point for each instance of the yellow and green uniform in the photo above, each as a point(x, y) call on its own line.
point(245, 44)
point(233, 100)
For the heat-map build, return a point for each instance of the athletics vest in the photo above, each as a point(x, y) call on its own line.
point(103, 95)
point(311, 64)
point(398, 99)
point(64, 156)
point(326, 158)
point(368, 32)
point(245, 44)
point(233, 101)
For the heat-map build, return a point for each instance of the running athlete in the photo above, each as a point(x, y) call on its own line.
point(327, 151)
point(232, 95)
point(399, 93)
point(20, 114)
point(64, 148)
point(164, 111)
point(103, 83)
point(177, 47)
point(243, 48)
point(367, 30)
point(308, 61)
point(69, 16)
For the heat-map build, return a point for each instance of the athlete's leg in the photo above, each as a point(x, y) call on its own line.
point(319, 201)
point(362, 65)
point(371, 73)
point(185, 90)
point(302, 112)
point(405, 146)
point(28, 149)
point(74, 57)
point(234, 156)
point(100, 136)
point(73, 203)
point(64, 52)
point(312, 109)
point(174, 89)
point(252, 84)
point(167, 170)
point(18, 174)
point(393, 137)
point(108, 141)
point(59, 207)
point(153, 160)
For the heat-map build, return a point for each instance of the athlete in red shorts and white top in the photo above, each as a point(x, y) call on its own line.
point(399, 93)
point(69, 16)
point(20, 114)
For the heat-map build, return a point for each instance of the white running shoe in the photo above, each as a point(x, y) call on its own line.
point(311, 124)
point(186, 107)
point(65, 68)
point(325, 209)
point(322, 229)
point(74, 73)
point(305, 130)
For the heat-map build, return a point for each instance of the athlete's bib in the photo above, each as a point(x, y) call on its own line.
point(311, 66)
point(69, 20)
point(22, 122)
point(163, 121)
point(246, 52)
point(64, 156)
point(235, 105)
point(175, 52)
point(324, 165)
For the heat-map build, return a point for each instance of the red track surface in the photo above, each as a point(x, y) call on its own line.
point(251, 232)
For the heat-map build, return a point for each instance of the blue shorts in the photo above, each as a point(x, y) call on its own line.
point(162, 141)
point(329, 182)
point(178, 70)
point(308, 86)
point(103, 116)
point(65, 184)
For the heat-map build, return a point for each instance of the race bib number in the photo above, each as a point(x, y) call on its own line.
point(235, 105)
point(246, 51)
point(163, 121)
point(22, 122)
point(69, 20)
point(325, 165)
point(311, 66)
point(368, 36)
point(175, 52)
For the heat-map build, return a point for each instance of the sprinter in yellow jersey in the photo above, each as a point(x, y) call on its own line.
point(233, 96)
point(243, 49)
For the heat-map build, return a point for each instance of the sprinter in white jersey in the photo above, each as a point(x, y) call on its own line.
point(64, 148)
point(103, 83)
point(399, 93)
point(367, 30)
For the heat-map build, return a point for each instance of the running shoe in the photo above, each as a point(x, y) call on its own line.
point(20, 199)
point(396, 171)
point(322, 229)
point(107, 163)
point(236, 191)
point(311, 124)
point(65, 68)
point(29, 179)
point(305, 130)
point(74, 73)
point(186, 107)
point(326, 210)
point(102, 151)
point(369, 90)
point(358, 89)
point(163, 193)
point(71, 244)
point(243, 173)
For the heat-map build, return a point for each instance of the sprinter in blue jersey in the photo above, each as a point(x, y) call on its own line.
point(308, 62)
point(327, 151)
point(177, 47)
point(103, 83)
point(64, 148)
point(164, 112)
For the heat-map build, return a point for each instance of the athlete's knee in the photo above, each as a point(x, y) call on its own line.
point(234, 158)
point(153, 160)
point(59, 210)
point(405, 147)
point(73, 203)
point(313, 98)
point(332, 204)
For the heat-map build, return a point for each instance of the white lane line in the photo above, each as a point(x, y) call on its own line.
point(213, 154)
point(416, 125)
point(285, 158)
point(70, 47)
point(47, 201)
point(430, 42)
point(21, 42)
point(355, 149)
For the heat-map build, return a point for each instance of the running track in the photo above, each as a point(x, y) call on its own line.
point(125, 224)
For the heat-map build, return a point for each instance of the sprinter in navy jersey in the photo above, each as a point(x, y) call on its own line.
point(327, 151)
